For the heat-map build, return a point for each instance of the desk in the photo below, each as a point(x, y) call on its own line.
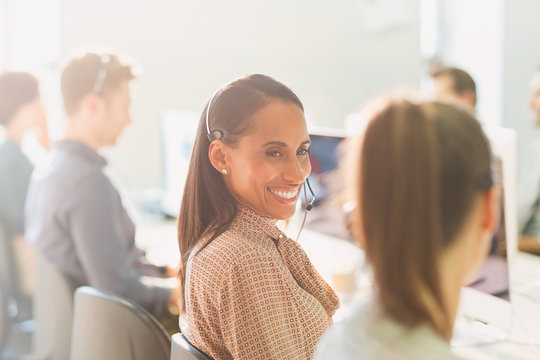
point(335, 258)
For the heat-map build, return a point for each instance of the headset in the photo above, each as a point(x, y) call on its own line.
point(218, 134)
point(309, 205)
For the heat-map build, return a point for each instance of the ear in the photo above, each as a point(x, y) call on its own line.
point(91, 104)
point(218, 153)
point(469, 97)
point(490, 219)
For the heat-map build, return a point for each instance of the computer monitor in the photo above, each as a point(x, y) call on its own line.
point(178, 132)
point(326, 216)
point(324, 157)
point(485, 303)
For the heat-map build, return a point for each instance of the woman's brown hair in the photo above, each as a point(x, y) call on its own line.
point(16, 90)
point(208, 208)
point(420, 168)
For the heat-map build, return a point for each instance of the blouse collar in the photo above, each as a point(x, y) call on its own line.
point(253, 221)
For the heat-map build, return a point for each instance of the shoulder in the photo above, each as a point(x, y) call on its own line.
point(231, 252)
point(345, 340)
point(62, 168)
point(12, 157)
point(234, 245)
point(368, 332)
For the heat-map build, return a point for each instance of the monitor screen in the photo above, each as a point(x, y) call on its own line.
point(178, 131)
point(326, 216)
point(324, 157)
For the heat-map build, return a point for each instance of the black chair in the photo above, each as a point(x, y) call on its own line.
point(108, 326)
point(181, 349)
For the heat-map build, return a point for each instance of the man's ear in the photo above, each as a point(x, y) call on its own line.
point(218, 153)
point(469, 97)
point(91, 104)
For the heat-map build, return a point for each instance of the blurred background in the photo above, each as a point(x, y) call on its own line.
point(334, 56)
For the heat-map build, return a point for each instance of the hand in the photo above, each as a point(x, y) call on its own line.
point(170, 272)
point(530, 244)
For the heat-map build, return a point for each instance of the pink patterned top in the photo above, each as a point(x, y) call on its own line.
point(252, 293)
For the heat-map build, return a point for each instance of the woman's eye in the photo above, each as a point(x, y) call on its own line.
point(274, 153)
point(303, 152)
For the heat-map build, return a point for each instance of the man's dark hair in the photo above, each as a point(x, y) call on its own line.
point(462, 80)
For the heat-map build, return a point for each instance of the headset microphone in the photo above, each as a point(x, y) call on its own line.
point(309, 205)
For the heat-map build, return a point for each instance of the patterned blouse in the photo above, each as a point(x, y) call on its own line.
point(252, 293)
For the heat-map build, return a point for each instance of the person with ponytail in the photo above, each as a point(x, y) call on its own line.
point(426, 210)
point(249, 291)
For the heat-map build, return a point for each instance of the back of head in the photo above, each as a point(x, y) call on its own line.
point(96, 69)
point(207, 205)
point(16, 90)
point(462, 80)
point(420, 169)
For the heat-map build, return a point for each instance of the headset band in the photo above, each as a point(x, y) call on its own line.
point(216, 134)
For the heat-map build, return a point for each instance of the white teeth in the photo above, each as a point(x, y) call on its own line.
point(286, 195)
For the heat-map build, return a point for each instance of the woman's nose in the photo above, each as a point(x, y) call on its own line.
point(298, 170)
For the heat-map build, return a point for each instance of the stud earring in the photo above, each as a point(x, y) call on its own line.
point(224, 171)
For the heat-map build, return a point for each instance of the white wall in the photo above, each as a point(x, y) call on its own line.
point(472, 39)
point(187, 49)
point(521, 60)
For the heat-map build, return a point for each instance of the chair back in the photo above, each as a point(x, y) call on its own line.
point(8, 268)
point(5, 320)
point(108, 326)
point(181, 349)
point(53, 311)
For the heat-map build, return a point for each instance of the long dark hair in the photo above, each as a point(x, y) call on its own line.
point(208, 208)
point(419, 170)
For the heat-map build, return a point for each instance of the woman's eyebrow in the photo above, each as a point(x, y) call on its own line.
point(280, 143)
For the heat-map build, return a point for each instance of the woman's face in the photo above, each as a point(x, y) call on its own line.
point(267, 167)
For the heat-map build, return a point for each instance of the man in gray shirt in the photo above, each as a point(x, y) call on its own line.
point(74, 215)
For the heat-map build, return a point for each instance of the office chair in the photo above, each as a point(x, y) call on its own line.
point(181, 349)
point(5, 321)
point(53, 311)
point(108, 326)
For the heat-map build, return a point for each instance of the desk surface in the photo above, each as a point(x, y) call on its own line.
point(337, 259)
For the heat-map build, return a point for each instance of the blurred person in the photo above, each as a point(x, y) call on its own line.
point(250, 291)
point(21, 111)
point(535, 97)
point(454, 85)
point(427, 208)
point(530, 235)
point(74, 214)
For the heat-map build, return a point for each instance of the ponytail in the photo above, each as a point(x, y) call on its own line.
point(409, 210)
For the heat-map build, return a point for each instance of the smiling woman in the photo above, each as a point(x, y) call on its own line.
point(266, 169)
point(249, 291)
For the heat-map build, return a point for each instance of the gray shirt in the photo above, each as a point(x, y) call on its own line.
point(75, 217)
point(368, 334)
point(15, 172)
